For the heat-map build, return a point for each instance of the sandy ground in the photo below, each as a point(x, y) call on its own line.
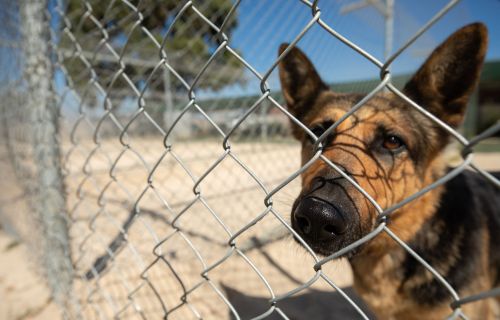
point(139, 277)
point(23, 294)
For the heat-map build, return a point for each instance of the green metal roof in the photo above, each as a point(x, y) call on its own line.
point(491, 73)
point(490, 77)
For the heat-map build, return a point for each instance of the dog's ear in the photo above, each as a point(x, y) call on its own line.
point(300, 82)
point(448, 77)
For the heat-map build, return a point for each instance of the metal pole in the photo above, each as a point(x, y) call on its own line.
point(168, 116)
point(387, 10)
point(389, 28)
point(263, 122)
point(46, 189)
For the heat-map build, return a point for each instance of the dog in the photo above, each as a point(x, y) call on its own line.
point(392, 151)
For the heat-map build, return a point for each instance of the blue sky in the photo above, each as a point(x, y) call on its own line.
point(264, 25)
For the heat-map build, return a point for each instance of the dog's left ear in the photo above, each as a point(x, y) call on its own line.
point(448, 77)
point(300, 83)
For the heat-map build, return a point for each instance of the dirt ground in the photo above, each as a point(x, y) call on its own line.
point(23, 295)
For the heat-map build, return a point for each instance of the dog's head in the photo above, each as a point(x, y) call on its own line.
point(389, 148)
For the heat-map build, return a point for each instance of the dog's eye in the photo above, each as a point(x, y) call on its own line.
point(319, 129)
point(393, 143)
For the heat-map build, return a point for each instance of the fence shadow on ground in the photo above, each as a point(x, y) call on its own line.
point(315, 304)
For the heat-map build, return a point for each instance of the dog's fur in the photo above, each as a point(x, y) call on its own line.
point(392, 151)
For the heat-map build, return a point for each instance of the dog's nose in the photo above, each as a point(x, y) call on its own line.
point(318, 220)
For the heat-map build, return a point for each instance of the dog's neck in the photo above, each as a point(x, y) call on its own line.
point(377, 267)
point(406, 221)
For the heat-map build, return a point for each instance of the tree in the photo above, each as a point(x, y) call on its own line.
point(190, 43)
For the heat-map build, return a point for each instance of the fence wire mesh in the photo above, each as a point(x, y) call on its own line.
point(148, 196)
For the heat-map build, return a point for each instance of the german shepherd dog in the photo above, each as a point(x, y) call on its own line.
point(392, 151)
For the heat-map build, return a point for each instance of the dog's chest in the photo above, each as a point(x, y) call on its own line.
point(379, 281)
point(383, 285)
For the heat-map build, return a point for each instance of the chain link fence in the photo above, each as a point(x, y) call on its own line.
point(150, 183)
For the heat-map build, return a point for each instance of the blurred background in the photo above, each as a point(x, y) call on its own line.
point(228, 87)
point(131, 152)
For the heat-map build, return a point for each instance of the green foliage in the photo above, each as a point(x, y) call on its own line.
point(189, 44)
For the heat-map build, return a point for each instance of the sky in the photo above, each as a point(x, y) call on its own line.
point(263, 25)
point(9, 42)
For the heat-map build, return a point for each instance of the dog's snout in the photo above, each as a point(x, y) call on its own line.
point(317, 183)
point(318, 220)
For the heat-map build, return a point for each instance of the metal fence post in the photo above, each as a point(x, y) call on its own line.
point(48, 197)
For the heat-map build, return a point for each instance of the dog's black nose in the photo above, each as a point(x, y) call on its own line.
point(318, 220)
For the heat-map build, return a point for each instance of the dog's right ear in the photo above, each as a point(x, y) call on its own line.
point(300, 82)
point(447, 79)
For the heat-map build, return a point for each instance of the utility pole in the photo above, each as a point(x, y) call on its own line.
point(168, 114)
point(386, 9)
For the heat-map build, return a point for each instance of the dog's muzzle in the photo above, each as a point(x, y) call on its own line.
point(325, 215)
point(318, 220)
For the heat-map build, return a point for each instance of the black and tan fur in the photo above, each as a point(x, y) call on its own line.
point(393, 151)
